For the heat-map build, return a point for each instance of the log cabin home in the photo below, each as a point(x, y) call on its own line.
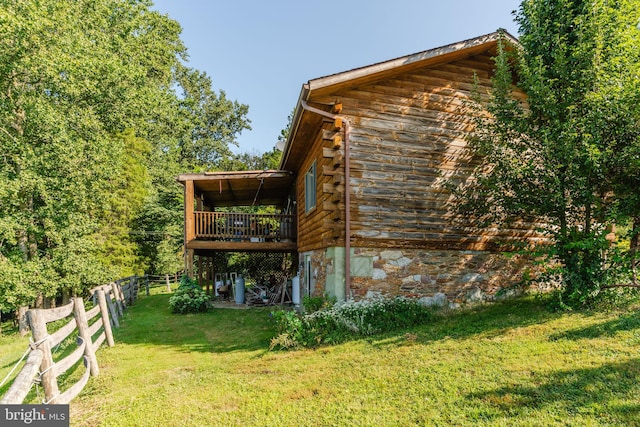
point(360, 191)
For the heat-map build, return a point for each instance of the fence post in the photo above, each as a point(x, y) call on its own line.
point(168, 283)
point(41, 340)
point(106, 322)
point(146, 277)
point(83, 331)
point(112, 309)
point(135, 285)
point(118, 296)
point(23, 322)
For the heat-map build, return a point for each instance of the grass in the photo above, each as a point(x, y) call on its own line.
point(508, 364)
point(12, 348)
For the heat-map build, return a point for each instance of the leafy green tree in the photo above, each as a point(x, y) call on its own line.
point(212, 121)
point(269, 160)
point(558, 156)
point(284, 133)
point(92, 135)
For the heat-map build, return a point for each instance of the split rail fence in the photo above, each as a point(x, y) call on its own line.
point(92, 327)
point(151, 281)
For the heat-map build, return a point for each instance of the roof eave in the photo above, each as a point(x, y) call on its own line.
point(403, 61)
point(370, 70)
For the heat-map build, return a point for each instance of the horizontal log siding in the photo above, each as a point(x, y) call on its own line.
point(408, 136)
point(316, 227)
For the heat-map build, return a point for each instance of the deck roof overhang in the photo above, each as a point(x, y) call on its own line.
point(242, 188)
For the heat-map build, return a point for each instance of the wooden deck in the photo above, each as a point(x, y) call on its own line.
point(235, 231)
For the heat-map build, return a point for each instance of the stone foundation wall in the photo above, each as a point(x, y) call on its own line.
point(463, 276)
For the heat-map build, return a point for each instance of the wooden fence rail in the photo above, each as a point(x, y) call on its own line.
point(150, 280)
point(93, 327)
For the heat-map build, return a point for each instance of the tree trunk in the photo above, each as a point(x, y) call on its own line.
point(633, 248)
point(39, 301)
point(66, 295)
point(23, 325)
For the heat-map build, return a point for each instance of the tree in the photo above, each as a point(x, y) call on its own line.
point(212, 122)
point(558, 157)
point(269, 160)
point(66, 89)
point(284, 133)
point(92, 132)
point(131, 188)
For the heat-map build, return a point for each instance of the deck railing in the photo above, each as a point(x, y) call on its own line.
point(235, 226)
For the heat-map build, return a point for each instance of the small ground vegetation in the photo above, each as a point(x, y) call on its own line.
point(189, 298)
point(332, 323)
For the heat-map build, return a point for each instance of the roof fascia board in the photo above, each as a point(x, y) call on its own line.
point(215, 176)
point(407, 60)
point(334, 79)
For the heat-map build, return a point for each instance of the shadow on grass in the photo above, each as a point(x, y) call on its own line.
point(149, 321)
point(609, 391)
point(489, 320)
point(626, 322)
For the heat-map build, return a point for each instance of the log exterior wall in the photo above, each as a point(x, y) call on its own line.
point(321, 226)
point(408, 135)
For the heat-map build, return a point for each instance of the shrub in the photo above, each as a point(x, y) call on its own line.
point(188, 298)
point(313, 304)
point(346, 320)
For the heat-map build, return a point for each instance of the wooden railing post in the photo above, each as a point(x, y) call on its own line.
point(104, 312)
point(189, 217)
point(41, 340)
point(83, 331)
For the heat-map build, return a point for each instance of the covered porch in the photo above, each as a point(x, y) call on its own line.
point(221, 213)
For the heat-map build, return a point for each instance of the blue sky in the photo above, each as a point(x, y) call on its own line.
point(260, 52)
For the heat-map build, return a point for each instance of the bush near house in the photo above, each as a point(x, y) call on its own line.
point(189, 298)
point(345, 320)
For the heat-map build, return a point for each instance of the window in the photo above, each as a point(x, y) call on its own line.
point(310, 188)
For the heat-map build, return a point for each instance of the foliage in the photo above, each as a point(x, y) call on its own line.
point(284, 133)
point(312, 304)
point(212, 123)
point(118, 251)
point(345, 320)
point(253, 161)
point(562, 157)
point(98, 114)
point(189, 298)
point(66, 92)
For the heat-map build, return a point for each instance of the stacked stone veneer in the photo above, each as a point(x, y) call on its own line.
point(463, 276)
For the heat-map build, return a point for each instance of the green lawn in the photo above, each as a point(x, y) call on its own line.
point(509, 364)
